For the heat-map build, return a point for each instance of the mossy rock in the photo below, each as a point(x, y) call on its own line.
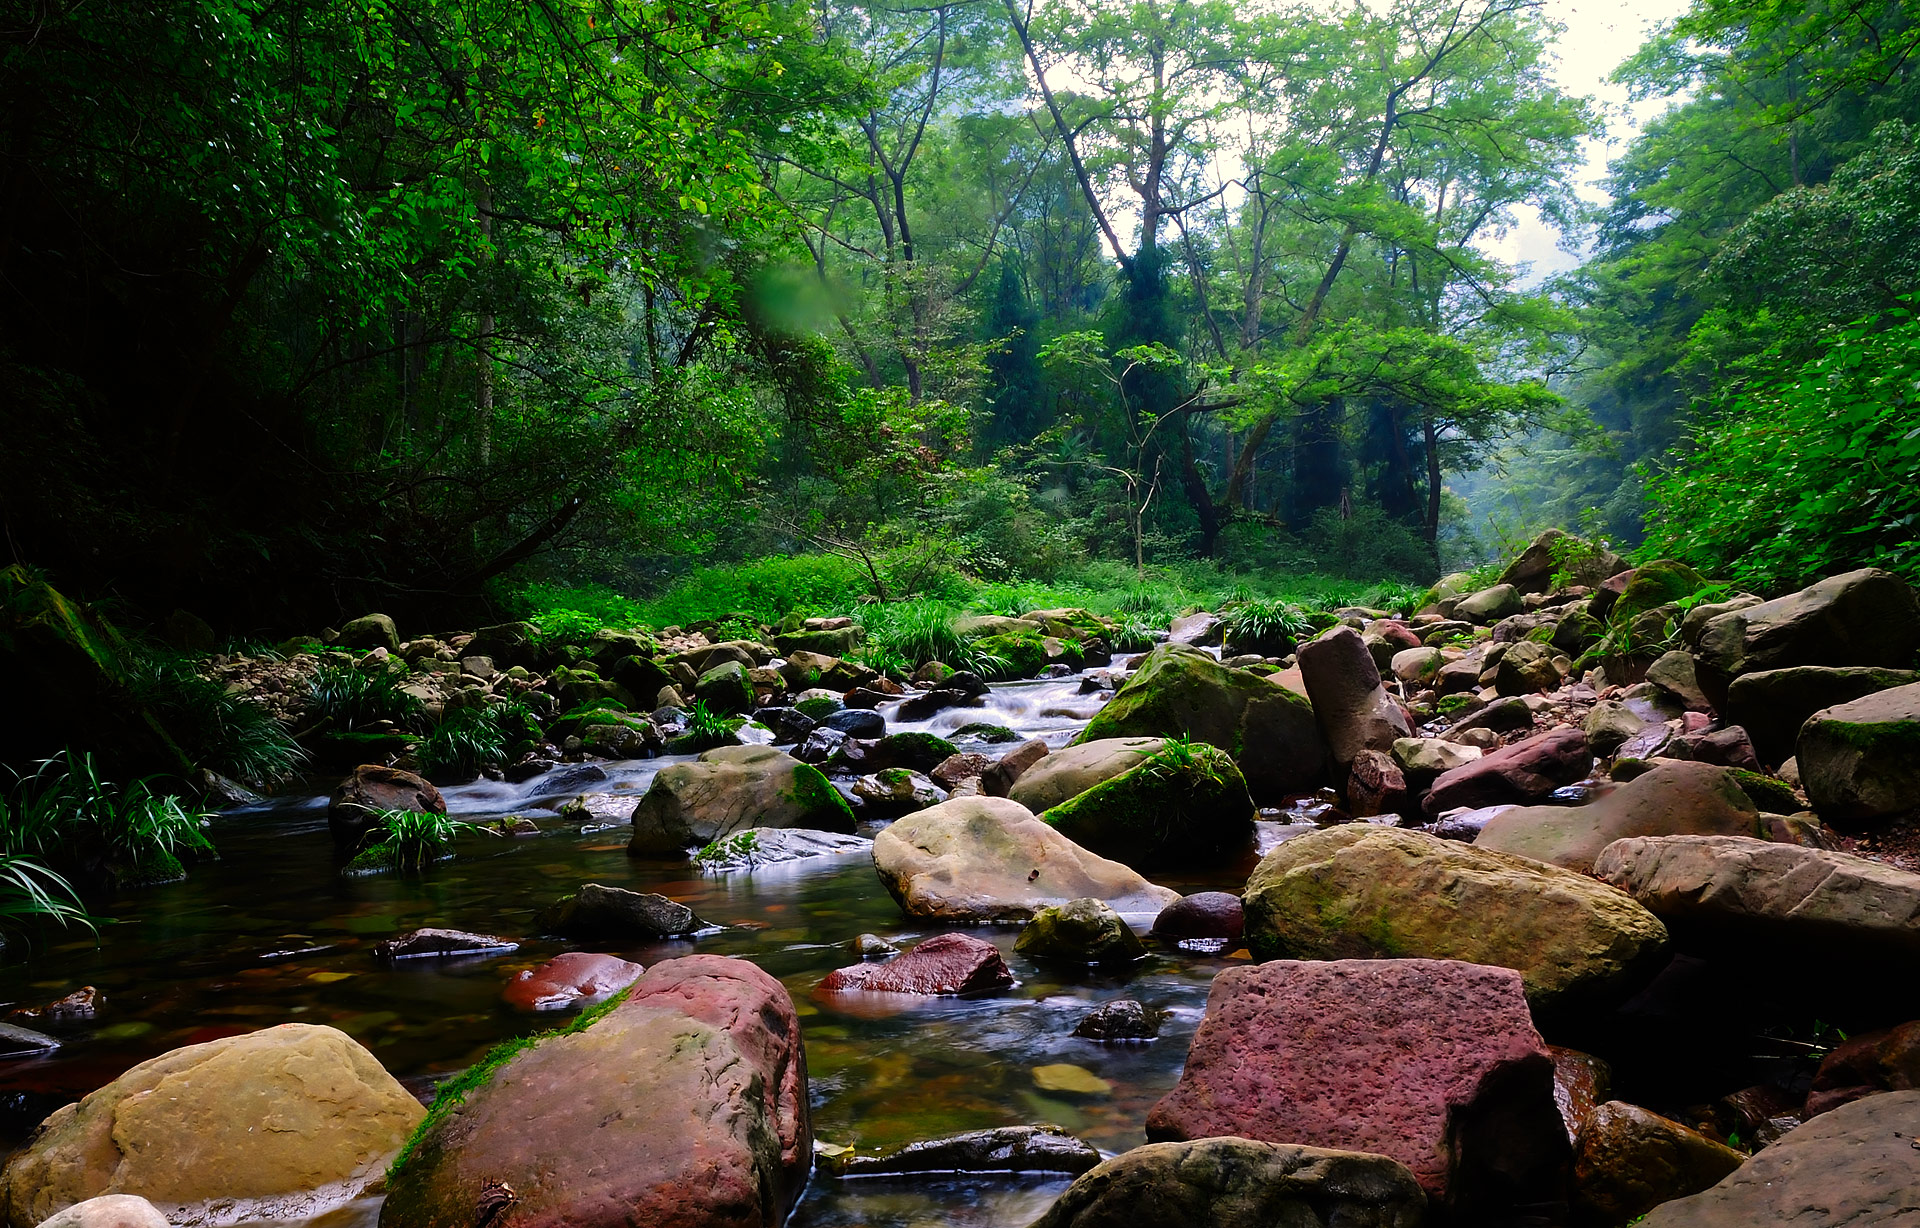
point(730, 789)
point(1653, 585)
point(1765, 792)
point(1026, 653)
point(726, 688)
point(915, 750)
point(604, 712)
point(818, 707)
point(1182, 692)
point(982, 731)
point(1186, 804)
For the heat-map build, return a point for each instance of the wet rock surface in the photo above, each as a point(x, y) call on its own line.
point(1120, 1020)
point(571, 979)
point(1008, 1149)
point(596, 911)
point(1079, 932)
point(943, 964)
point(440, 944)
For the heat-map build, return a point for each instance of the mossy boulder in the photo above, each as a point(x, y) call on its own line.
point(1860, 761)
point(1026, 653)
point(1185, 804)
point(1367, 892)
point(1072, 770)
point(835, 643)
point(1653, 585)
point(1179, 691)
point(1080, 932)
point(982, 731)
point(730, 789)
point(726, 688)
point(920, 751)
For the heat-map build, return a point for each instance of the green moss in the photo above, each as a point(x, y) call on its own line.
point(1653, 585)
point(816, 796)
point(1186, 802)
point(914, 749)
point(1880, 736)
point(984, 732)
point(1450, 704)
point(1766, 793)
point(455, 1091)
point(728, 848)
point(819, 707)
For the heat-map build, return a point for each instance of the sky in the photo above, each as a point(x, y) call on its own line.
point(1599, 36)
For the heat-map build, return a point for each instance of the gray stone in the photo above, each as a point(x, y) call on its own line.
point(1860, 761)
point(615, 912)
point(1354, 710)
point(1772, 704)
point(1008, 1149)
point(1490, 605)
point(690, 805)
point(108, 1211)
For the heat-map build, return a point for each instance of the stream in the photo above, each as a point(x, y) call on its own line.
point(271, 933)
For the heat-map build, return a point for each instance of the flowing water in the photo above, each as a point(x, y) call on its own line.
point(272, 933)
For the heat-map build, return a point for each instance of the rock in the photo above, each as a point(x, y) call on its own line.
point(1524, 772)
point(1069, 772)
point(1178, 691)
point(820, 745)
point(1868, 1064)
point(1426, 758)
point(730, 789)
point(1630, 1161)
point(371, 787)
point(1612, 724)
point(16, 1041)
point(1860, 761)
point(1185, 804)
point(1673, 673)
point(1239, 1183)
point(1079, 932)
point(1364, 891)
point(979, 859)
point(921, 752)
point(1557, 552)
point(1749, 891)
point(1581, 1082)
point(1675, 798)
point(1509, 715)
point(1526, 668)
point(282, 1124)
point(1202, 915)
point(895, 791)
point(872, 946)
point(1416, 664)
point(1433, 1063)
point(1853, 1167)
point(836, 641)
point(979, 626)
point(725, 688)
point(1118, 1020)
point(760, 847)
point(1008, 1149)
point(370, 631)
point(924, 706)
point(1354, 711)
point(615, 912)
point(999, 779)
point(570, 979)
point(683, 1106)
point(82, 1004)
point(964, 765)
point(1375, 786)
point(440, 944)
point(1200, 630)
point(1490, 605)
point(943, 964)
point(109, 1211)
point(1867, 617)
point(1772, 704)
point(856, 723)
point(1652, 586)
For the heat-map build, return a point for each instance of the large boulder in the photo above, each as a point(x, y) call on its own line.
point(1369, 892)
point(109, 1211)
point(370, 631)
point(1433, 1063)
point(1354, 710)
point(690, 805)
point(942, 964)
point(1860, 761)
point(1240, 1183)
point(1676, 798)
point(1186, 804)
point(1083, 932)
point(725, 688)
point(1772, 704)
point(1629, 1161)
point(1867, 1064)
point(1557, 554)
point(1753, 891)
point(1490, 605)
point(1182, 692)
point(372, 787)
point(1866, 617)
point(1072, 771)
point(282, 1124)
point(1850, 1168)
point(685, 1106)
point(981, 859)
point(1515, 775)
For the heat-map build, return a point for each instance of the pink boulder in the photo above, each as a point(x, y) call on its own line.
point(571, 979)
point(1204, 914)
point(1519, 774)
point(943, 964)
point(1434, 1063)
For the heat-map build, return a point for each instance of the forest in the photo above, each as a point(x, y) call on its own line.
point(1000, 613)
point(315, 308)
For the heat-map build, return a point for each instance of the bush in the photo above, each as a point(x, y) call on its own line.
point(229, 734)
point(1813, 473)
point(765, 590)
point(464, 742)
point(408, 841)
point(65, 812)
point(570, 607)
point(349, 697)
point(31, 894)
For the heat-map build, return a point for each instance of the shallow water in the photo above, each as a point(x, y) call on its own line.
point(272, 934)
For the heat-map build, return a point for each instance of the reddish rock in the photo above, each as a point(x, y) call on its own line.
point(1354, 710)
point(82, 1003)
point(1204, 914)
point(997, 780)
point(1581, 1083)
point(1522, 773)
point(1630, 1161)
point(1729, 747)
point(683, 1107)
point(571, 979)
point(371, 787)
point(1866, 1065)
point(1375, 785)
point(1433, 1063)
point(943, 964)
point(966, 765)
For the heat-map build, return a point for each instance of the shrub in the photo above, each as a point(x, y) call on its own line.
point(765, 590)
point(31, 894)
point(408, 841)
point(227, 733)
point(67, 813)
point(464, 742)
point(348, 697)
point(1263, 620)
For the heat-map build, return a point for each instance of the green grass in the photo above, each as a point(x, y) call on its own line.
point(470, 739)
point(31, 895)
point(904, 635)
point(408, 841)
point(65, 812)
point(347, 697)
point(229, 734)
point(1260, 618)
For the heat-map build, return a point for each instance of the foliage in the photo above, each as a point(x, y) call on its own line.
point(230, 734)
point(567, 626)
point(407, 840)
point(1259, 619)
point(562, 611)
point(707, 729)
point(351, 697)
point(1814, 472)
point(908, 634)
point(31, 894)
point(465, 741)
point(66, 812)
point(766, 590)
